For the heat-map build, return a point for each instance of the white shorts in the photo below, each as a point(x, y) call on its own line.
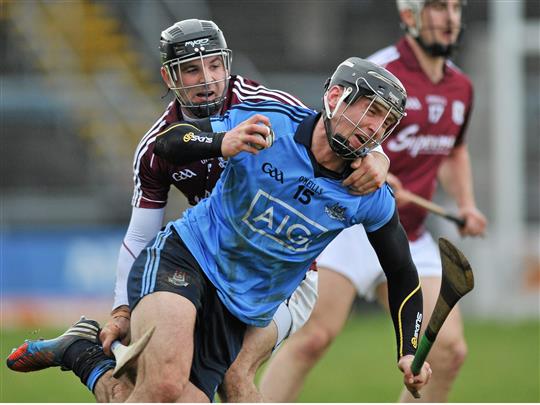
point(351, 254)
point(294, 313)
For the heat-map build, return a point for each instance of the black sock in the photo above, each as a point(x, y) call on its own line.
point(74, 351)
point(87, 359)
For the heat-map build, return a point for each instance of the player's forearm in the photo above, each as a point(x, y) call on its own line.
point(455, 176)
point(182, 143)
point(404, 293)
point(123, 266)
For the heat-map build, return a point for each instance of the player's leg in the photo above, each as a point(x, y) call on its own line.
point(450, 349)
point(163, 368)
point(165, 290)
point(239, 383)
point(285, 374)
point(78, 350)
point(196, 338)
point(110, 389)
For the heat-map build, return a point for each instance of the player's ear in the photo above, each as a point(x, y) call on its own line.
point(333, 94)
point(165, 77)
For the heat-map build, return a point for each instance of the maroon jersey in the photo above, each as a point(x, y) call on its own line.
point(153, 176)
point(437, 116)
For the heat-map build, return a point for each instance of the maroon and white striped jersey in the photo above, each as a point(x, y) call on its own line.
point(437, 117)
point(153, 176)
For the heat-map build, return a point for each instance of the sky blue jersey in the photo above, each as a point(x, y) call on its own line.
point(270, 215)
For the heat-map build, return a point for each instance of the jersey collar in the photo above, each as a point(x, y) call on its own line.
point(411, 62)
point(303, 136)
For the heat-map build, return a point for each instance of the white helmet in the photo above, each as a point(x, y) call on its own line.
point(416, 7)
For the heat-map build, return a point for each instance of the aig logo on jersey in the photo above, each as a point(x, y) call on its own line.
point(436, 106)
point(280, 222)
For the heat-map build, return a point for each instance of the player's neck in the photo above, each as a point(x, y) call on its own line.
point(432, 66)
point(324, 155)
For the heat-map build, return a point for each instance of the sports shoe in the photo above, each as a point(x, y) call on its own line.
point(36, 355)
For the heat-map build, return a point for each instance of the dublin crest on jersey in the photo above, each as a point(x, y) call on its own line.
point(335, 211)
point(178, 279)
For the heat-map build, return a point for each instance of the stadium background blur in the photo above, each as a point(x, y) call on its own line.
point(80, 85)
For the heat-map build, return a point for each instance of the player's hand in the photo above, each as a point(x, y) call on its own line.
point(414, 382)
point(248, 136)
point(117, 328)
point(369, 174)
point(397, 187)
point(475, 222)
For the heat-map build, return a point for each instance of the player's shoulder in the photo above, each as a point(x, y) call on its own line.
point(244, 89)
point(144, 149)
point(272, 108)
point(169, 116)
point(457, 73)
point(385, 56)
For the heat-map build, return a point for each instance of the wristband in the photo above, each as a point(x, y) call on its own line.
point(121, 312)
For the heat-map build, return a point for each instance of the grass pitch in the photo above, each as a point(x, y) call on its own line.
point(503, 366)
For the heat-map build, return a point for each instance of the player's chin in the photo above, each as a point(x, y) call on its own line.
point(203, 99)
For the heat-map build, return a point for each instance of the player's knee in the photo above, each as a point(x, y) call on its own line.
point(458, 353)
point(237, 374)
point(450, 356)
point(167, 390)
point(317, 340)
point(165, 385)
point(234, 383)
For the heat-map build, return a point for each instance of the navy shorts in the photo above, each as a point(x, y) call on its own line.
point(167, 265)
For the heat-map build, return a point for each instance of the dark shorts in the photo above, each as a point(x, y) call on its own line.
point(167, 265)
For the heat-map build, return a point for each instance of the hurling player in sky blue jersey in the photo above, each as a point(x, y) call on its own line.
point(233, 258)
point(428, 148)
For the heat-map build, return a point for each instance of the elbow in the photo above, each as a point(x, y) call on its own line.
point(161, 147)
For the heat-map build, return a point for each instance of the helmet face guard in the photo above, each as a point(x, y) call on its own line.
point(385, 97)
point(184, 93)
point(194, 42)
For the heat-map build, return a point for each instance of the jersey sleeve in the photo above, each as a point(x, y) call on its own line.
point(150, 180)
point(376, 209)
point(462, 132)
point(231, 118)
point(246, 90)
point(143, 226)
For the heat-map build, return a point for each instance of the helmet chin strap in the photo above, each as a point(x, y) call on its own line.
point(205, 110)
point(338, 143)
